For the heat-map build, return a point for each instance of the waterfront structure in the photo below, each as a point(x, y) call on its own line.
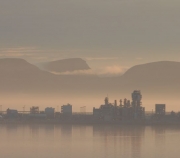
point(49, 111)
point(66, 109)
point(139, 111)
point(160, 109)
point(126, 111)
point(34, 110)
point(11, 113)
point(105, 112)
point(35, 114)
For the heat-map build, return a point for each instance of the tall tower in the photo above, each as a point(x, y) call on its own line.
point(106, 100)
point(136, 99)
point(115, 103)
point(121, 103)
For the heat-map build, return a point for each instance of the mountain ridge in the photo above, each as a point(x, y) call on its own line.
point(65, 65)
point(156, 77)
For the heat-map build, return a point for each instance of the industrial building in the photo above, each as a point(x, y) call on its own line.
point(125, 111)
point(35, 113)
point(160, 109)
point(34, 110)
point(105, 111)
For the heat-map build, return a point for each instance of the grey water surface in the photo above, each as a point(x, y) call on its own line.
point(80, 141)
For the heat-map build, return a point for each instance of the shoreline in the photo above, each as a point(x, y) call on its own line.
point(99, 123)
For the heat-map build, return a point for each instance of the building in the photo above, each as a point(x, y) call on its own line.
point(49, 111)
point(12, 113)
point(139, 111)
point(66, 109)
point(136, 99)
point(106, 111)
point(126, 111)
point(160, 109)
point(34, 110)
point(36, 114)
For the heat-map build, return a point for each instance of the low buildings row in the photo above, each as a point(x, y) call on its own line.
point(34, 112)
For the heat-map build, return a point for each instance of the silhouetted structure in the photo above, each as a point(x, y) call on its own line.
point(12, 113)
point(66, 109)
point(139, 111)
point(124, 112)
point(34, 110)
point(160, 109)
point(49, 111)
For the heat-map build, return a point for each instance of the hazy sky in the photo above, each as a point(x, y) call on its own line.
point(117, 33)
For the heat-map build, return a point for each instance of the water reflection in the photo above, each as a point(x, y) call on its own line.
point(11, 128)
point(159, 135)
point(136, 141)
point(70, 141)
point(66, 130)
point(34, 131)
point(126, 140)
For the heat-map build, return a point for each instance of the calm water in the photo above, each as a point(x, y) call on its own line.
point(60, 141)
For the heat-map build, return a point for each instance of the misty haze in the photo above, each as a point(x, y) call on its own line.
point(89, 78)
point(27, 84)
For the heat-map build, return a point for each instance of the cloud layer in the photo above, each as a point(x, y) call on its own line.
point(107, 71)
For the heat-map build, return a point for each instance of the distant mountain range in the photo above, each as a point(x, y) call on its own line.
point(156, 77)
point(19, 76)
